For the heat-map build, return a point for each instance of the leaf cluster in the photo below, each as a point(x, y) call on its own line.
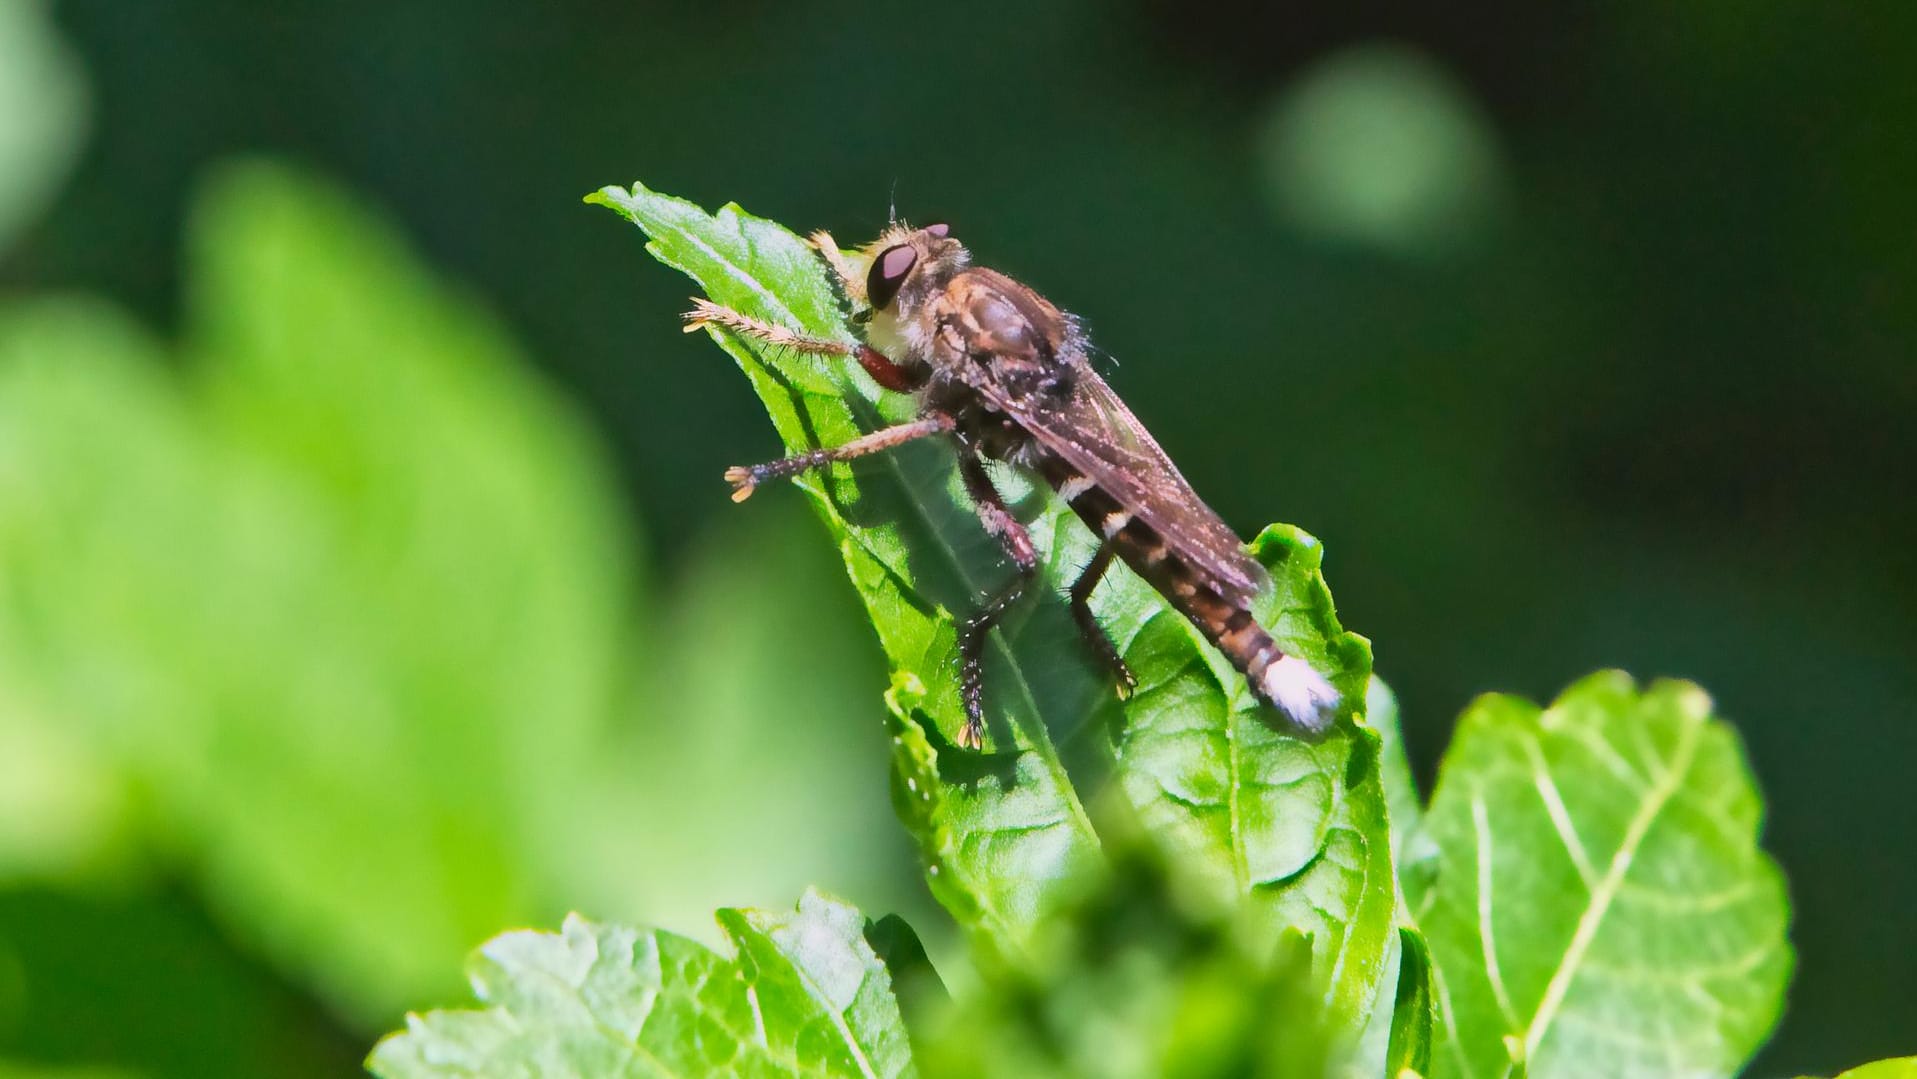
point(1171, 884)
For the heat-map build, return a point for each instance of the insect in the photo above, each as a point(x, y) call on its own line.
point(1003, 374)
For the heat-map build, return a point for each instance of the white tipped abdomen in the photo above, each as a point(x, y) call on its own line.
point(1301, 693)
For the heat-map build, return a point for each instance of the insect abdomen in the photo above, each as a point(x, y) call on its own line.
point(1283, 681)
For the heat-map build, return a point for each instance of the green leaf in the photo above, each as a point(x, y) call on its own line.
point(1297, 828)
point(802, 995)
point(1414, 1011)
point(336, 606)
point(9, 1070)
point(915, 981)
point(1002, 833)
point(328, 618)
point(1898, 1068)
point(428, 581)
point(1141, 978)
point(1601, 906)
point(141, 980)
point(93, 447)
point(745, 752)
point(1394, 767)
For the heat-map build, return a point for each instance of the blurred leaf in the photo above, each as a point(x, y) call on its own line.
point(1394, 767)
point(43, 113)
point(1899, 1068)
point(915, 981)
point(345, 608)
point(1414, 1011)
point(64, 811)
point(429, 584)
point(99, 472)
point(1405, 1027)
point(9, 1070)
point(1297, 827)
point(803, 994)
point(1601, 906)
point(1142, 978)
point(338, 623)
point(141, 980)
point(754, 757)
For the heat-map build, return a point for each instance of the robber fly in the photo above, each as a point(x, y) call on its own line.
point(1003, 374)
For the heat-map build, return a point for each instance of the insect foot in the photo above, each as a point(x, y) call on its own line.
point(972, 735)
point(743, 482)
point(704, 313)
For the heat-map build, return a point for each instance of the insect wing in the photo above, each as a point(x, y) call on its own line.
point(1093, 431)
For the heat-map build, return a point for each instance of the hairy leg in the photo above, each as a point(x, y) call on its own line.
point(1017, 543)
point(746, 478)
point(849, 279)
point(706, 313)
point(890, 375)
point(1095, 636)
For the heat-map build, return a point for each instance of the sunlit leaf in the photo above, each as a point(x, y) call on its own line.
point(423, 575)
point(1601, 906)
point(802, 994)
point(93, 445)
point(1005, 830)
point(338, 603)
point(1899, 1068)
point(1297, 829)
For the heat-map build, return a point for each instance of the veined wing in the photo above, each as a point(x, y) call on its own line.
point(1093, 431)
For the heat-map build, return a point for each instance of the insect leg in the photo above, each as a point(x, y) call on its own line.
point(1011, 535)
point(849, 278)
point(1101, 642)
point(746, 478)
point(706, 313)
point(883, 371)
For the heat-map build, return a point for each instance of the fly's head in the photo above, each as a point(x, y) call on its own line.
point(907, 268)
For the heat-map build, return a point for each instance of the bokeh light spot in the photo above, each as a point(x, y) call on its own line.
point(1379, 146)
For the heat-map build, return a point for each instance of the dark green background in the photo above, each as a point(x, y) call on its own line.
point(1655, 413)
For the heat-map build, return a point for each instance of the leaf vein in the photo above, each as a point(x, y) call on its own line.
point(1667, 786)
point(1547, 789)
point(1481, 832)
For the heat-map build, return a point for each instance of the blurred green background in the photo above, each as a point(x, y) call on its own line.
point(367, 585)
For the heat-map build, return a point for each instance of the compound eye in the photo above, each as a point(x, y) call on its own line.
point(888, 272)
point(940, 230)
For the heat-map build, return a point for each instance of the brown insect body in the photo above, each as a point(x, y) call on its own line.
point(1005, 373)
